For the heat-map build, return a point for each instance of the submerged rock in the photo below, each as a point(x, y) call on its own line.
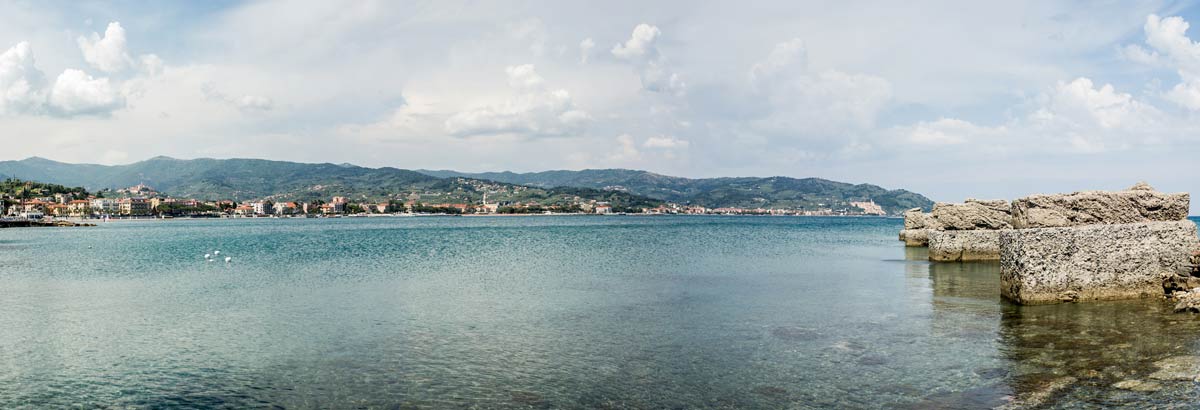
point(973, 215)
point(1178, 368)
point(964, 246)
point(1140, 203)
point(1188, 301)
point(1137, 385)
point(1097, 262)
point(1039, 395)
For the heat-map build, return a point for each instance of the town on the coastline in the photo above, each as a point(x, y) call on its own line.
point(143, 201)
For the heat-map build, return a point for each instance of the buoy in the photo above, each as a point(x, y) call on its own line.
point(207, 256)
point(228, 259)
point(217, 253)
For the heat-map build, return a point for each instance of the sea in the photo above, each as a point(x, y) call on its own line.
point(551, 312)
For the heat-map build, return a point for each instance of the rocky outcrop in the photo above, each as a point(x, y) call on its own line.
point(964, 246)
point(915, 219)
point(916, 227)
point(1140, 203)
point(973, 214)
point(1094, 262)
point(915, 237)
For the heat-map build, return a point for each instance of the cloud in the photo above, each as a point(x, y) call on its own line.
point(642, 51)
point(532, 31)
point(1172, 48)
point(108, 53)
point(626, 149)
point(245, 103)
point(665, 142)
point(1076, 116)
point(535, 110)
point(950, 131)
point(254, 103)
point(76, 92)
point(21, 83)
point(799, 103)
point(152, 65)
point(585, 49)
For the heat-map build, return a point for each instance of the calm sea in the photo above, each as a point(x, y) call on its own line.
point(547, 312)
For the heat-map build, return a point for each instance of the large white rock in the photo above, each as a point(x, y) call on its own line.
point(1094, 262)
point(964, 246)
point(1139, 203)
point(972, 215)
point(915, 237)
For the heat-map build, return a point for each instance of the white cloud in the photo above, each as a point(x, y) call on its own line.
point(531, 31)
point(1075, 116)
point(626, 149)
point(108, 53)
point(152, 65)
point(585, 49)
point(1172, 48)
point(950, 131)
point(534, 110)
point(254, 103)
point(246, 103)
point(640, 43)
point(1080, 104)
point(802, 104)
point(76, 92)
point(642, 51)
point(665, 142)
point(21, 83)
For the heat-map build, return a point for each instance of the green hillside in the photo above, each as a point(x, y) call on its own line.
point(247, 179)
point(747, 192)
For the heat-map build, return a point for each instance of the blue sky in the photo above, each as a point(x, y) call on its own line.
point(946, 98)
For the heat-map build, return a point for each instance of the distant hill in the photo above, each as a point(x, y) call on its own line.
point(750, 192)
point(246, 179)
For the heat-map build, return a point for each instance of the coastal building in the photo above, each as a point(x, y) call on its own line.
point(262, 207)
point(336, 206)
point(285, 208)
point(79, 207)
point(869, 207)
point(56, 209)
point(603, 208)
point(35, 205)
point(106, 206)
point(243, 210)
point(134, 206)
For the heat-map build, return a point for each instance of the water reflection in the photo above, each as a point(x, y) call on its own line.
point(1058, 355)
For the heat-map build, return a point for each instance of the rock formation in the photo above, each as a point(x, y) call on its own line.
point(964, 246)
point(1097, 245)
point(916, 227)
point(1140, 203)
point(967, 231)
point(973, 215)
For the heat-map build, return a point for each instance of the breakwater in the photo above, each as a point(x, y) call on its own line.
point(1080, 246)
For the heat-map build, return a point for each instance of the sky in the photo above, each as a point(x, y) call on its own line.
point(950, 99)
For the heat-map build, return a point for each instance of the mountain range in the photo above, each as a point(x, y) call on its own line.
point(741, 192)
point(245, 179)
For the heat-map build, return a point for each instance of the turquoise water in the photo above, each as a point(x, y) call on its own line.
point(547, 312)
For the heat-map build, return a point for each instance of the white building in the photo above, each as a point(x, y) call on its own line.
point(105, 206)
point(261, 207)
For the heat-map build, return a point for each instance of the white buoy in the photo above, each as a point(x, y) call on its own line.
point(209, 260)
point(217, 253)
point(228, 259)
point(207, 256)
